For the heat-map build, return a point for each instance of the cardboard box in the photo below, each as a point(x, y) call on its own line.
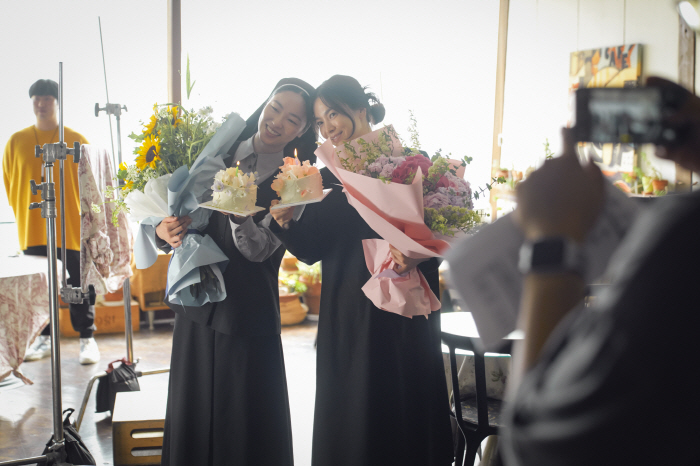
point(108, 319)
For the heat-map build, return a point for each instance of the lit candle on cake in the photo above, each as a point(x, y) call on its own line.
point(296, 158)
point(238, 164)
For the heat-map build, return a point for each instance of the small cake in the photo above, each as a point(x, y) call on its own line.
point(298, 182)
point(234, 190)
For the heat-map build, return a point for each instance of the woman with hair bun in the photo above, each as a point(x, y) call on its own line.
point(381, 395)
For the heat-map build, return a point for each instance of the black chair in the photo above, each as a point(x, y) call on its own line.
point(476, 416)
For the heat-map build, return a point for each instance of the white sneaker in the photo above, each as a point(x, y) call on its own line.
point(40, 349)
point(89, 353)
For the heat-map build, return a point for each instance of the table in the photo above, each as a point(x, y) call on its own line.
point(24, 308)
point(497, 365)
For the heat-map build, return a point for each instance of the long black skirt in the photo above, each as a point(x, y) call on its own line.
point(227, 400)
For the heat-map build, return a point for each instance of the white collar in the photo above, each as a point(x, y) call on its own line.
point(268, 164)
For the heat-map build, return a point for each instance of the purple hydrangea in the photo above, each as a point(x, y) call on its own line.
point(384, 166)
point(387, 170)
point(436, 200)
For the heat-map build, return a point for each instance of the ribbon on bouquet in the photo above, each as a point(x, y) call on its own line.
point(407, 294)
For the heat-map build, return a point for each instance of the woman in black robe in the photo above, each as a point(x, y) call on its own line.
point(381, 395)
point(227, 397)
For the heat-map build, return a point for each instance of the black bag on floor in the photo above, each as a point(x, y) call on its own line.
point(76, 451)
point(121, 379)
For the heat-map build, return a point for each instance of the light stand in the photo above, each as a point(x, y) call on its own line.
point(50, 153)
point(116, 110)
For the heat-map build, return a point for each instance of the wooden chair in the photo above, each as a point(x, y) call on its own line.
point(477, 416)
point(152, 282)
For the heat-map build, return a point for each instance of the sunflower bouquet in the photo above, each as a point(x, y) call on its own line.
point(179, 152)
point(173, 137)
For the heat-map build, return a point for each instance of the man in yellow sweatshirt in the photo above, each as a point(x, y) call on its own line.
point(19, 166)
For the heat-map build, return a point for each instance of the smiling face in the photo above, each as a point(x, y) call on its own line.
point(44, 108)
point(282, 120)
point(338, 127)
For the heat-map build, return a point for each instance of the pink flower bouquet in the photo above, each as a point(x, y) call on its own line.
point(413, 202)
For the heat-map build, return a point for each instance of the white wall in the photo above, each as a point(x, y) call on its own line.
point(542, 35)
point(437, 58)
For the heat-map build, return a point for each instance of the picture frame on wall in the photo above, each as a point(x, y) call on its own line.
point(614, 66)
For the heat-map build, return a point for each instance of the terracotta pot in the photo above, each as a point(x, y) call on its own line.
point(289, 264)
point(291, 310)
point(503, 173)
point(116, 296)
point(659, 185)
point(312, 297)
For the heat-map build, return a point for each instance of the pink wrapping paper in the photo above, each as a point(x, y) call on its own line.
point(407, 295)
point(395, 212)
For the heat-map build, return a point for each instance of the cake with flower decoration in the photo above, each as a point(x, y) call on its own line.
point(298, 182)
point(234, 190)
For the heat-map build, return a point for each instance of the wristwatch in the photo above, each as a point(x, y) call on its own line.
point(554, 254)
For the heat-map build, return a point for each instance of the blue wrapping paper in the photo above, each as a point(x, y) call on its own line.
point(185, 190)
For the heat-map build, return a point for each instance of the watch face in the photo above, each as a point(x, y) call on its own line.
point(547, 253)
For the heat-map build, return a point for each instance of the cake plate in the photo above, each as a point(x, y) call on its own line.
point(246, 213)
point(292, 204)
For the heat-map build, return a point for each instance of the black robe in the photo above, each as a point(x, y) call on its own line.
point(381, 396)
point(227, 397)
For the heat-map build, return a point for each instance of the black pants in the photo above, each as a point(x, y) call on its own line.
point(81, 316)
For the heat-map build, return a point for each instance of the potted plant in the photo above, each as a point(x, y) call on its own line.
point(310, 275)
point(292, 311)
point(289, 262)
point(653, 182)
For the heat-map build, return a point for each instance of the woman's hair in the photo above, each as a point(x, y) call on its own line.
point(345, 95)
point(306, 142)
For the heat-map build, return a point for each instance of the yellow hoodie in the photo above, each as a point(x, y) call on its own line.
point(19, 166)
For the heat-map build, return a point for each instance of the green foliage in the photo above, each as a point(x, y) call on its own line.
point(293, 285)
point(548, 154)
point(188, 86)
point(310, 273)
point(446, 220)
point(413, 130)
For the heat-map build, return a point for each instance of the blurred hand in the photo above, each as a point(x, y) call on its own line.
point(403, 263)
point(562, 198)
point(282, 216)
point(173, 230)
point(686, 121)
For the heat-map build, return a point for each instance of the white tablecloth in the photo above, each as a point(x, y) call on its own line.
point(497, 365)
point(24, 308)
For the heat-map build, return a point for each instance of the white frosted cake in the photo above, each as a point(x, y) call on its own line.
point(298, 182)
point(234, 190)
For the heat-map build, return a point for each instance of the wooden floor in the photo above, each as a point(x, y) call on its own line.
point(26, 421)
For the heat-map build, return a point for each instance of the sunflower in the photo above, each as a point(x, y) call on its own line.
point(148, 153)
point(150, 126)
point(174, 113)
point(128, 184)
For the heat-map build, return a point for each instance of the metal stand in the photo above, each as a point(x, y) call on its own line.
point(116, 110)
point(50, 153)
